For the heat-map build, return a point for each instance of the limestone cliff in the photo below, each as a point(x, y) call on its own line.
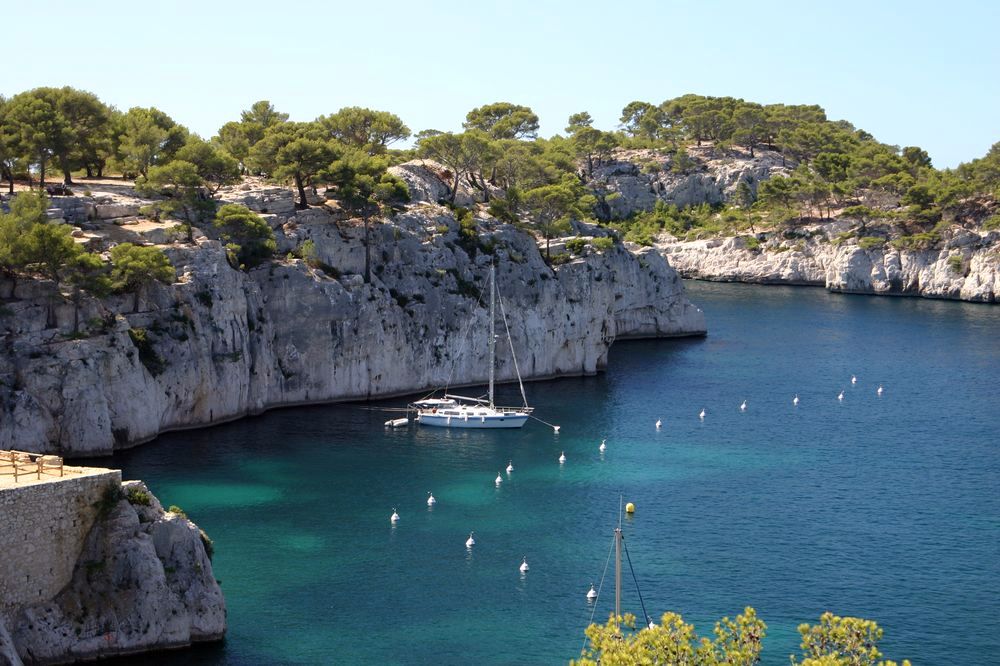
point(222, 343)
point(966, 266)
point(143, 581)
point(634, 180)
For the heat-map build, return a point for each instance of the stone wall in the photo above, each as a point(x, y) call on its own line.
point(43, 526)
point(79, 583)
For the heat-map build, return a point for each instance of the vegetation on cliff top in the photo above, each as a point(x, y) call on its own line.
point(521, 178)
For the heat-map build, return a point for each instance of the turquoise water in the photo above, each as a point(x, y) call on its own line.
point(883, 507)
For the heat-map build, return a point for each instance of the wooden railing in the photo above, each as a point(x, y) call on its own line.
point(22, 464)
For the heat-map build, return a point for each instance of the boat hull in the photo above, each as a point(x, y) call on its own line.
point(473, 421)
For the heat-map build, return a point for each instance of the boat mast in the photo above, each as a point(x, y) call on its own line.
point(618, 576)
point(493, 337)
point(618, 565)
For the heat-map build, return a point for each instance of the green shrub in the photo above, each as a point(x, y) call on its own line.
point(559, 259)
point(870, 242)
point(177, 510)
point(752, 243)
point(249, 239)
point(109, 500)
point(576, 245)
point(842, 237)
point(603, 244)
point(153, 362)
point(956, 264)
point(137, 497)
point(992, 222)
point(924, 241)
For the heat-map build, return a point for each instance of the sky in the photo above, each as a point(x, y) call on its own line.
point(911, 73)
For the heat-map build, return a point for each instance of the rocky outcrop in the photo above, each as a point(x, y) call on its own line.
point(221, 343)
point(430, 182)
point(636, 179)
point(142, 582)
point(966, 266)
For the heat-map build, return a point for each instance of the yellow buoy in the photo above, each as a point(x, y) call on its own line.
point(630, 508)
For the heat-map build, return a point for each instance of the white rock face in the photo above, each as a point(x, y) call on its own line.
point(712, 179)
point(972, 275)
point(430, 182)
point(221, 343)
point(142, 582)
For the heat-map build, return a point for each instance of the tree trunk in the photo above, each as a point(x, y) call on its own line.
point(454, 189)
point(480, 185)
point(590, 165)
point(41, 172)
point(90, 171)
point(67, 176)
point(302, 192)
point(751, 151)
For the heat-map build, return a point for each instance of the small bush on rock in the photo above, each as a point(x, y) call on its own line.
point(137, 497)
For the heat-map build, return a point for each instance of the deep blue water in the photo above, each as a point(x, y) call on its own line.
point(882, 507)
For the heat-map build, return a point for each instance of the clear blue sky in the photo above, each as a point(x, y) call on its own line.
point(912, 73)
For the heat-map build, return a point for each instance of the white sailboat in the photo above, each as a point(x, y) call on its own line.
point(456, 411)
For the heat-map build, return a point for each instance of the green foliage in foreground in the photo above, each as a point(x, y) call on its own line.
point(835, 641)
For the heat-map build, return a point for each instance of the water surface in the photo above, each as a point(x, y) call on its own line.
point(881, 507)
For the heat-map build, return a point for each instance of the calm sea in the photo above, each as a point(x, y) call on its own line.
point(885, 507)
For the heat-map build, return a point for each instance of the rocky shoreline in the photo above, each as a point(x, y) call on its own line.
point(221, 343)
point(143, 581)
point(966, 267)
